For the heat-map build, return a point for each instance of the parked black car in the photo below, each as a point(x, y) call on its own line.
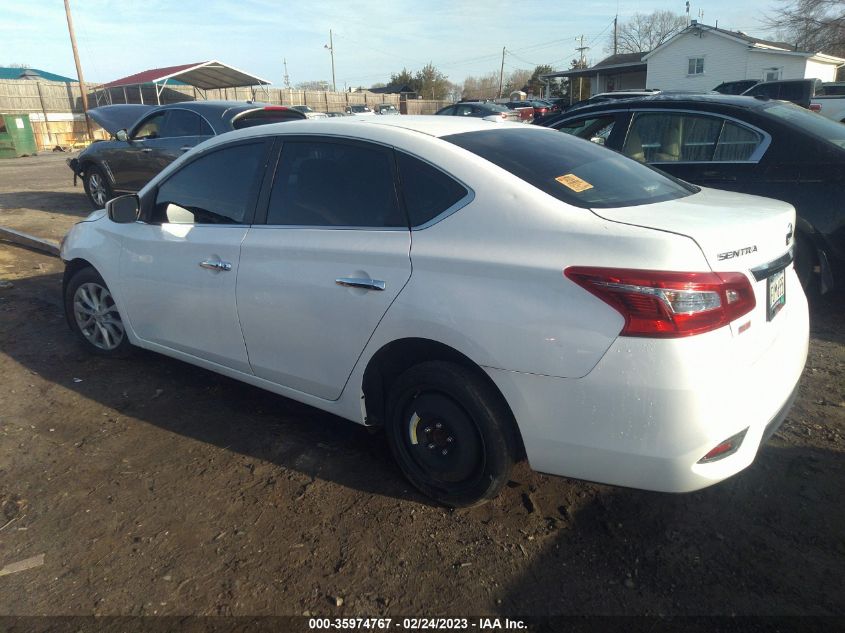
point(744, 144)
point(481, 109)
point(145, 139)
point(798, 91)
point(735, 87)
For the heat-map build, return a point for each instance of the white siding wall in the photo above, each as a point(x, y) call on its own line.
point(825, 72)
point(724, 60)
point(792, 66)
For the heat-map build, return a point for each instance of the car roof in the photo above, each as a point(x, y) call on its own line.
point(677, 99)
point(374, 128)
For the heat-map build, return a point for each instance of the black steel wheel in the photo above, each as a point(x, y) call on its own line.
point(451, 433)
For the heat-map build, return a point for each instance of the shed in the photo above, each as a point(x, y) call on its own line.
point(202, 75)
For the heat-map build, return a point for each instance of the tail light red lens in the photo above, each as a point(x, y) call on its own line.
point(815, 107)
point(724, 449)
point(665, 304)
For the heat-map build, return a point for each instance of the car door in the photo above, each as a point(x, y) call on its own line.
point(707, 149)
point(132, 166)
point(182, 130)
point(316, 278)
point(179, 266)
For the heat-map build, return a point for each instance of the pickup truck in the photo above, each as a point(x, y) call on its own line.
point(813, 94)
point(830, 102)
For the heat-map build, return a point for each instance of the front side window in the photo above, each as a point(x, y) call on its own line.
point(151, 128)
point(464, 110)
point(695, 66)
point(591, 128)
point(330, 184)
point(427, 191)
point(577, 172)
point(216, 188)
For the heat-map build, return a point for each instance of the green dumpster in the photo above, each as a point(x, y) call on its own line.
point(16, 137)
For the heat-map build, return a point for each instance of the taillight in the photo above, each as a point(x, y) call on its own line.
point(663, 304)
point(815, 107)
point(724, 449)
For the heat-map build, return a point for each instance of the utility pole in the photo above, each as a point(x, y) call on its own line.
point(287, 79)
point(78, 68)
point(615, 20)
point(582, 63)
point(330, 46)
point(502, 73)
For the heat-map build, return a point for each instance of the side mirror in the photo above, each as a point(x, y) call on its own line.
point(121, 135)
point(598, 140)
point(124, 209)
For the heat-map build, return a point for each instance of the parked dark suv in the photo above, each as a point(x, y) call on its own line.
point(146, 139)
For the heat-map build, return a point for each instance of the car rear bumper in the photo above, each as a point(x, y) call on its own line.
point(651, 409)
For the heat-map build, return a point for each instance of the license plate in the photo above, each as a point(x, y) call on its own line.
point(775, 294)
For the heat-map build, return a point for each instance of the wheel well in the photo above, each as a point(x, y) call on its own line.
point(392, 360)
point(71, 268)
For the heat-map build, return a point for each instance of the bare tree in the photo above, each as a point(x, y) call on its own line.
point(645, 32)
point(811, 25)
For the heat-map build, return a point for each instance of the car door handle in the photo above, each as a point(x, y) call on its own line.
point(218, 265)
point(358, 282)
point(185, 149)
point(147, 149)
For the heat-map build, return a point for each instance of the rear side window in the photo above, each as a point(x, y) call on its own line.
point(427, 191)
point(185, 123)
point(575, 171)
point(263, 116)
point(822, 128)
point(217, 188)
point(332, 184)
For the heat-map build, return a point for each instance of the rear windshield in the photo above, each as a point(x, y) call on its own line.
point(810, 122)
point(573, 170)
point(251, 118)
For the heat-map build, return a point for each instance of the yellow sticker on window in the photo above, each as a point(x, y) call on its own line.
point(574, 182)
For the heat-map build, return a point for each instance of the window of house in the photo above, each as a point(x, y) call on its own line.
point(329, 184)
point(771, 74)
point(695, 66)
point(216, 188)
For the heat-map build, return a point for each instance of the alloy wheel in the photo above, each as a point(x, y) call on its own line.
point(97, 317)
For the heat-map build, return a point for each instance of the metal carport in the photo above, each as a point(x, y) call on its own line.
point(202, 75)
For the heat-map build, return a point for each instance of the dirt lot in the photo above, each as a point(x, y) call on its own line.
point(153, 487)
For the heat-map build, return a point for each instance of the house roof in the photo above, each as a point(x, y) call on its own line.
point(32, 73)
point(619, 63)
point(203, 75)
point(754, 43)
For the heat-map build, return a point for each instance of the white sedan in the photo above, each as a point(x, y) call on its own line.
point(482, 291)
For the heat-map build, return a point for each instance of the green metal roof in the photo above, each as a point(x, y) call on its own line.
point(15, 73)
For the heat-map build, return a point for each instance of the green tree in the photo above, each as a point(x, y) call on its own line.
point(432, 83)
point(404, 78)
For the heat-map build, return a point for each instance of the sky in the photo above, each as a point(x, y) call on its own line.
point(372, 38)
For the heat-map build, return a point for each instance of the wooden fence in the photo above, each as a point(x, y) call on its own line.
point(56, 113)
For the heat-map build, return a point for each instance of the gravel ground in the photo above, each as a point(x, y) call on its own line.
point(148, 486)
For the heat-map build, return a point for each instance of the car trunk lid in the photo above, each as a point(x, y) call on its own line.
point(736, 232)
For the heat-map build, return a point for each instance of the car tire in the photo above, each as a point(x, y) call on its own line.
point(451, 433)
point(93, 315)
point(97, 187)
point(805, 262)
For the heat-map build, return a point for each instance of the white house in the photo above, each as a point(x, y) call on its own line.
point(701, 57)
